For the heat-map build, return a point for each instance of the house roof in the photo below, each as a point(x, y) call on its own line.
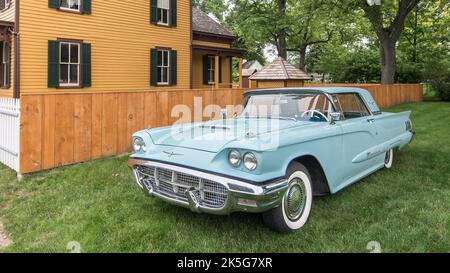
point(201, 22)
point(248, 72)
point(248, 64)
point(280, 69)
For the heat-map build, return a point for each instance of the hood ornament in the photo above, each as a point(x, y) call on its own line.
point(170, 154)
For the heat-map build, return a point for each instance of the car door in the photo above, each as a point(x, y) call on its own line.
point(360, 136)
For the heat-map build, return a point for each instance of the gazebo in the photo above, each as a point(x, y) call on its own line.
point(279, 73)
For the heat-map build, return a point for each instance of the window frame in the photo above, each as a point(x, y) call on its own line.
point(212, 69)
point(3, 69)
point(7, 5)
point(71, 9)
point(69, 63)
point(159, 13)
point(361, 100)
point(161, 67)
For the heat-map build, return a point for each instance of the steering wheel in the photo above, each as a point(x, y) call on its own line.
point(313, 111)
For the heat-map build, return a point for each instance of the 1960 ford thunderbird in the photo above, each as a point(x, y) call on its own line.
point(287, 146)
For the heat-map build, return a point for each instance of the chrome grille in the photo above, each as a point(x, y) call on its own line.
point(173, 185)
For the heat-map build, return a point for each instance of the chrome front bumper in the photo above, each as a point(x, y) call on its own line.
point(238, 195)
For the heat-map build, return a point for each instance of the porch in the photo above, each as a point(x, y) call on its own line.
point(213, 67)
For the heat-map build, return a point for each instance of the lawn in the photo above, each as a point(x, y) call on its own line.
point(405, 209)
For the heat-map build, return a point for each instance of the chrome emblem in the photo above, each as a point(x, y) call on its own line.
point(193, 199)
point(170, 154)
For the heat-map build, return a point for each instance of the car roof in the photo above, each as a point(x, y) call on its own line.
point(365, 95)
point(297, 90)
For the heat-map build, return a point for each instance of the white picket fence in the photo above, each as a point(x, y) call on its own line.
point(10, 132)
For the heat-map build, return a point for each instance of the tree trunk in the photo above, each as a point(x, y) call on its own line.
point(388, 36)
point(388, 63)
point(303, 58)
point(282, 46)
point(282, 43)
point(416, 18)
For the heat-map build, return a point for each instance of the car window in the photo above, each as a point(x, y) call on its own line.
point(350, 105)
point(308, 107)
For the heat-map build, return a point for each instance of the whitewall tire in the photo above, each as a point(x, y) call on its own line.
point(389, 159)
point(295, 208)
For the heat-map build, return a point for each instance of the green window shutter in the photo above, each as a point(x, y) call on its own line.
point(231, 70)
point(173, 67)
point(220, 69)
point(54, 4)
point(53, 64)
point(7, 65)
point(205, 69)
point(153, 67)
point(86, 6)
point(86, 65)
point(154, 11)
point(173, 15)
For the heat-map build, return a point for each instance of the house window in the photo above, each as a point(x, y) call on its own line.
point(163, 67)
point(5, 64)
point(5, 4)
point(70, 5)
point(163, 7)
point(69, 64)
point(211, 69)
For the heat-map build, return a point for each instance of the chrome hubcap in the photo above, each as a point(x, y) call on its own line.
point(295, 199)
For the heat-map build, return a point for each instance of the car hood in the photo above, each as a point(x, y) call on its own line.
point(212, 136)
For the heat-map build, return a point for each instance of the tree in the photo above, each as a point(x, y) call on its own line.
point(388, 29)
point(216, 7)
point(261, 22)
point(289, 25)
point(313, 24)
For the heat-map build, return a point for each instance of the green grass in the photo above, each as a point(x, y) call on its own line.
point(405, 209)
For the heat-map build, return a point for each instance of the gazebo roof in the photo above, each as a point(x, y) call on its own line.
point(280, 69)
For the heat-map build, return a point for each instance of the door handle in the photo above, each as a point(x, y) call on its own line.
point(371, 120)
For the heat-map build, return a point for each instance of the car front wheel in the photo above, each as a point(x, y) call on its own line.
point(295, 207)
point(389, 159)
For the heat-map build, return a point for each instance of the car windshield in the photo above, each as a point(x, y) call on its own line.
point(306, 107)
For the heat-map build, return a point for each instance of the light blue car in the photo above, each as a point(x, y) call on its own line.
point(287, 146)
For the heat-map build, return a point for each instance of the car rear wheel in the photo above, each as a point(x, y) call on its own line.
point(389, 159)
point(295, 207)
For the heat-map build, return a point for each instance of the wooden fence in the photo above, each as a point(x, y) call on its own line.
point(61, 129)
point(387, 95)
point(9, 132)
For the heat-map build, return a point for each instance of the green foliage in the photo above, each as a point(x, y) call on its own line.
point(408, 72)
point(359, 65)
point(437, 74)
point(254, 52)
point(216, 7)
point(337, 37)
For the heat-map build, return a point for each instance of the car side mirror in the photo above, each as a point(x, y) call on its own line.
point(335, 116)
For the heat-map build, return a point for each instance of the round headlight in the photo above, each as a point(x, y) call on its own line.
point(235, 158)
point(250, 161)
point(139, 145)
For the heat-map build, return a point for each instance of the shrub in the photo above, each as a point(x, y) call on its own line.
point(437, 73)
